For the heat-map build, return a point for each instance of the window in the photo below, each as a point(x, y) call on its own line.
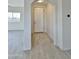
point(13, 17)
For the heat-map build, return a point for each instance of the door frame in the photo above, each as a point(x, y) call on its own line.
point(33, 11)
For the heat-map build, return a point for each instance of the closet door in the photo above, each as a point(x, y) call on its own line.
point(39, 20)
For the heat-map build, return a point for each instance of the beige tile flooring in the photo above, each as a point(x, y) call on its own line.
point(43, 48)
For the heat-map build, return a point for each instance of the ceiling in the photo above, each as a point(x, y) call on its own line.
point(16, 3)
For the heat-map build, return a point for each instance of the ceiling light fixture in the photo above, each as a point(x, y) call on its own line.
point(40, 1)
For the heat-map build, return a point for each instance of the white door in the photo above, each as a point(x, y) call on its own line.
point(38, 19)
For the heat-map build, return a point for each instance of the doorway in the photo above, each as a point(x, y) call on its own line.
point(38, 19)
point(43, 20)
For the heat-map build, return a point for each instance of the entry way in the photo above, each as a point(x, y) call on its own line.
point(38, 19)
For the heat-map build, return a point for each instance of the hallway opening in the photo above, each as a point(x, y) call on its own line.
point(43, 19)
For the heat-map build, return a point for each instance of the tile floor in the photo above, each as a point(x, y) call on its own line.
point(42, 48)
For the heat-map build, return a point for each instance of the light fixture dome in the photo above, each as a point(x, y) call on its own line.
point(40, 2)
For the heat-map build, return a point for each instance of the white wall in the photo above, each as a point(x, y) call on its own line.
point(27, 24)
point(63, 30)
point(59, 42)
point(66, 9)
point(51, 22)
point(63, 25)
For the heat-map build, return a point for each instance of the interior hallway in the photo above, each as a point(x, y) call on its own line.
point(43, 48)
